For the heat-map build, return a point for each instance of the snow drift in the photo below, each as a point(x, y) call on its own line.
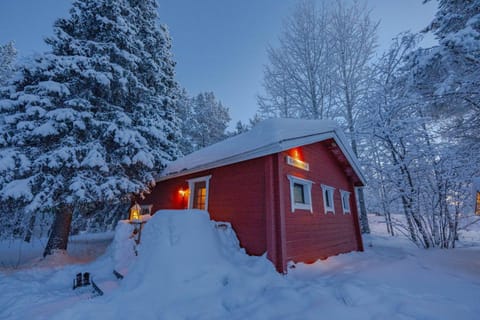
point(186, 265)
point(186, 255)
point(189, 267)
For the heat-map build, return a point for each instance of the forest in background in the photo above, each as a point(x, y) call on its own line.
point(91, 121)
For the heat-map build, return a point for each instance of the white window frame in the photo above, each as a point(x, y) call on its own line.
point(191, 185)
point(307, 189)
point(331, 190)
point(345, 196)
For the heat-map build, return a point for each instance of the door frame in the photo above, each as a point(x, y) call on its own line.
point(191, 186)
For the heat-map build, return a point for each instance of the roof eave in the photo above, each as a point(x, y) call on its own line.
point(271, 149)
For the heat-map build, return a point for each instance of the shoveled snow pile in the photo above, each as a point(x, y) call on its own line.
point(189, 267)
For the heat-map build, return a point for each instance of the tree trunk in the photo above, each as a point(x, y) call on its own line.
point(58, 239)
point(363, 212)
point(29, 231)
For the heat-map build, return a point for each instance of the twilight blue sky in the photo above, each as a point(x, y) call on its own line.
point(219, 45)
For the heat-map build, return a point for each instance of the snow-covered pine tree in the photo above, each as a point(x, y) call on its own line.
point(188, 123)
point(8, 54)
point(212, 119)
point(90, 121)
point(448, 74)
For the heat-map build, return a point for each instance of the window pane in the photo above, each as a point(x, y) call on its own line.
point(327, 198)
point(298, 193)
point(199, 195)
point(346, 202)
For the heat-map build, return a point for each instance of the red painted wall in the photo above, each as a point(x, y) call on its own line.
point(311, 236)
point(236, 195)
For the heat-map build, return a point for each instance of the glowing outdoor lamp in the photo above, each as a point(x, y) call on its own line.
point(295, 159)
point(135, 215)
point(183, 193)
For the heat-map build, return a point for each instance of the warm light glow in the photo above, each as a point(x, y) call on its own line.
point(183, 192)
point(477, 207)
point(296, 154)
point(135, 213)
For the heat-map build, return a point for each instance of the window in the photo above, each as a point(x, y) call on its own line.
point(300, 193)
point(198, 193)
point(146, 209)
point(328, 203)
point(345, 196)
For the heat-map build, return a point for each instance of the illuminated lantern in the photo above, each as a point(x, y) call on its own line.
point(135, 215)
point(183, 193)
point(295, 159)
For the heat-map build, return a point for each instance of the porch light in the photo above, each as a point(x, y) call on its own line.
point(135, 215)
point(184, 195)
point(296, 154)
point(295, 159)
point(182, 192)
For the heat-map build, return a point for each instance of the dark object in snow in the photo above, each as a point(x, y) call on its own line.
point(84, 280)
point(222, 226)
point(77, 282)
point(98, 291)
point(81, 280)
point(118, 274)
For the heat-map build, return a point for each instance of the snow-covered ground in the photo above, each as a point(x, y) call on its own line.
point(189, 268)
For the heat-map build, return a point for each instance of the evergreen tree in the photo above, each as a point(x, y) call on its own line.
point(448, 75)
point(93, 120)
point(8, 54)
point(240, 127)
point(206, 121)
point(188, 123)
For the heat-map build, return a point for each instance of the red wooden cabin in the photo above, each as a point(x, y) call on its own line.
point(286, 187)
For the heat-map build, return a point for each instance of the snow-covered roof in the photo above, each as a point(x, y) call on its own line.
point(267, 137)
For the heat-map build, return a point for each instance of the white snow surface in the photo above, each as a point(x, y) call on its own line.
point(189, 267)
point(476, 184)
point(267, 137)
point(17, 189)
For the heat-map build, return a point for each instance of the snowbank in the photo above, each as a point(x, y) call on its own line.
point(186, 265)
point(189, 267)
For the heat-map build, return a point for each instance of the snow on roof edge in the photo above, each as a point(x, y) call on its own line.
point(275, 148)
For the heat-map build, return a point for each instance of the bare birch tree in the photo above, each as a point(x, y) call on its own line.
point(321, 69)
point(297, 79)
point(353, 39)
point(426, 173)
